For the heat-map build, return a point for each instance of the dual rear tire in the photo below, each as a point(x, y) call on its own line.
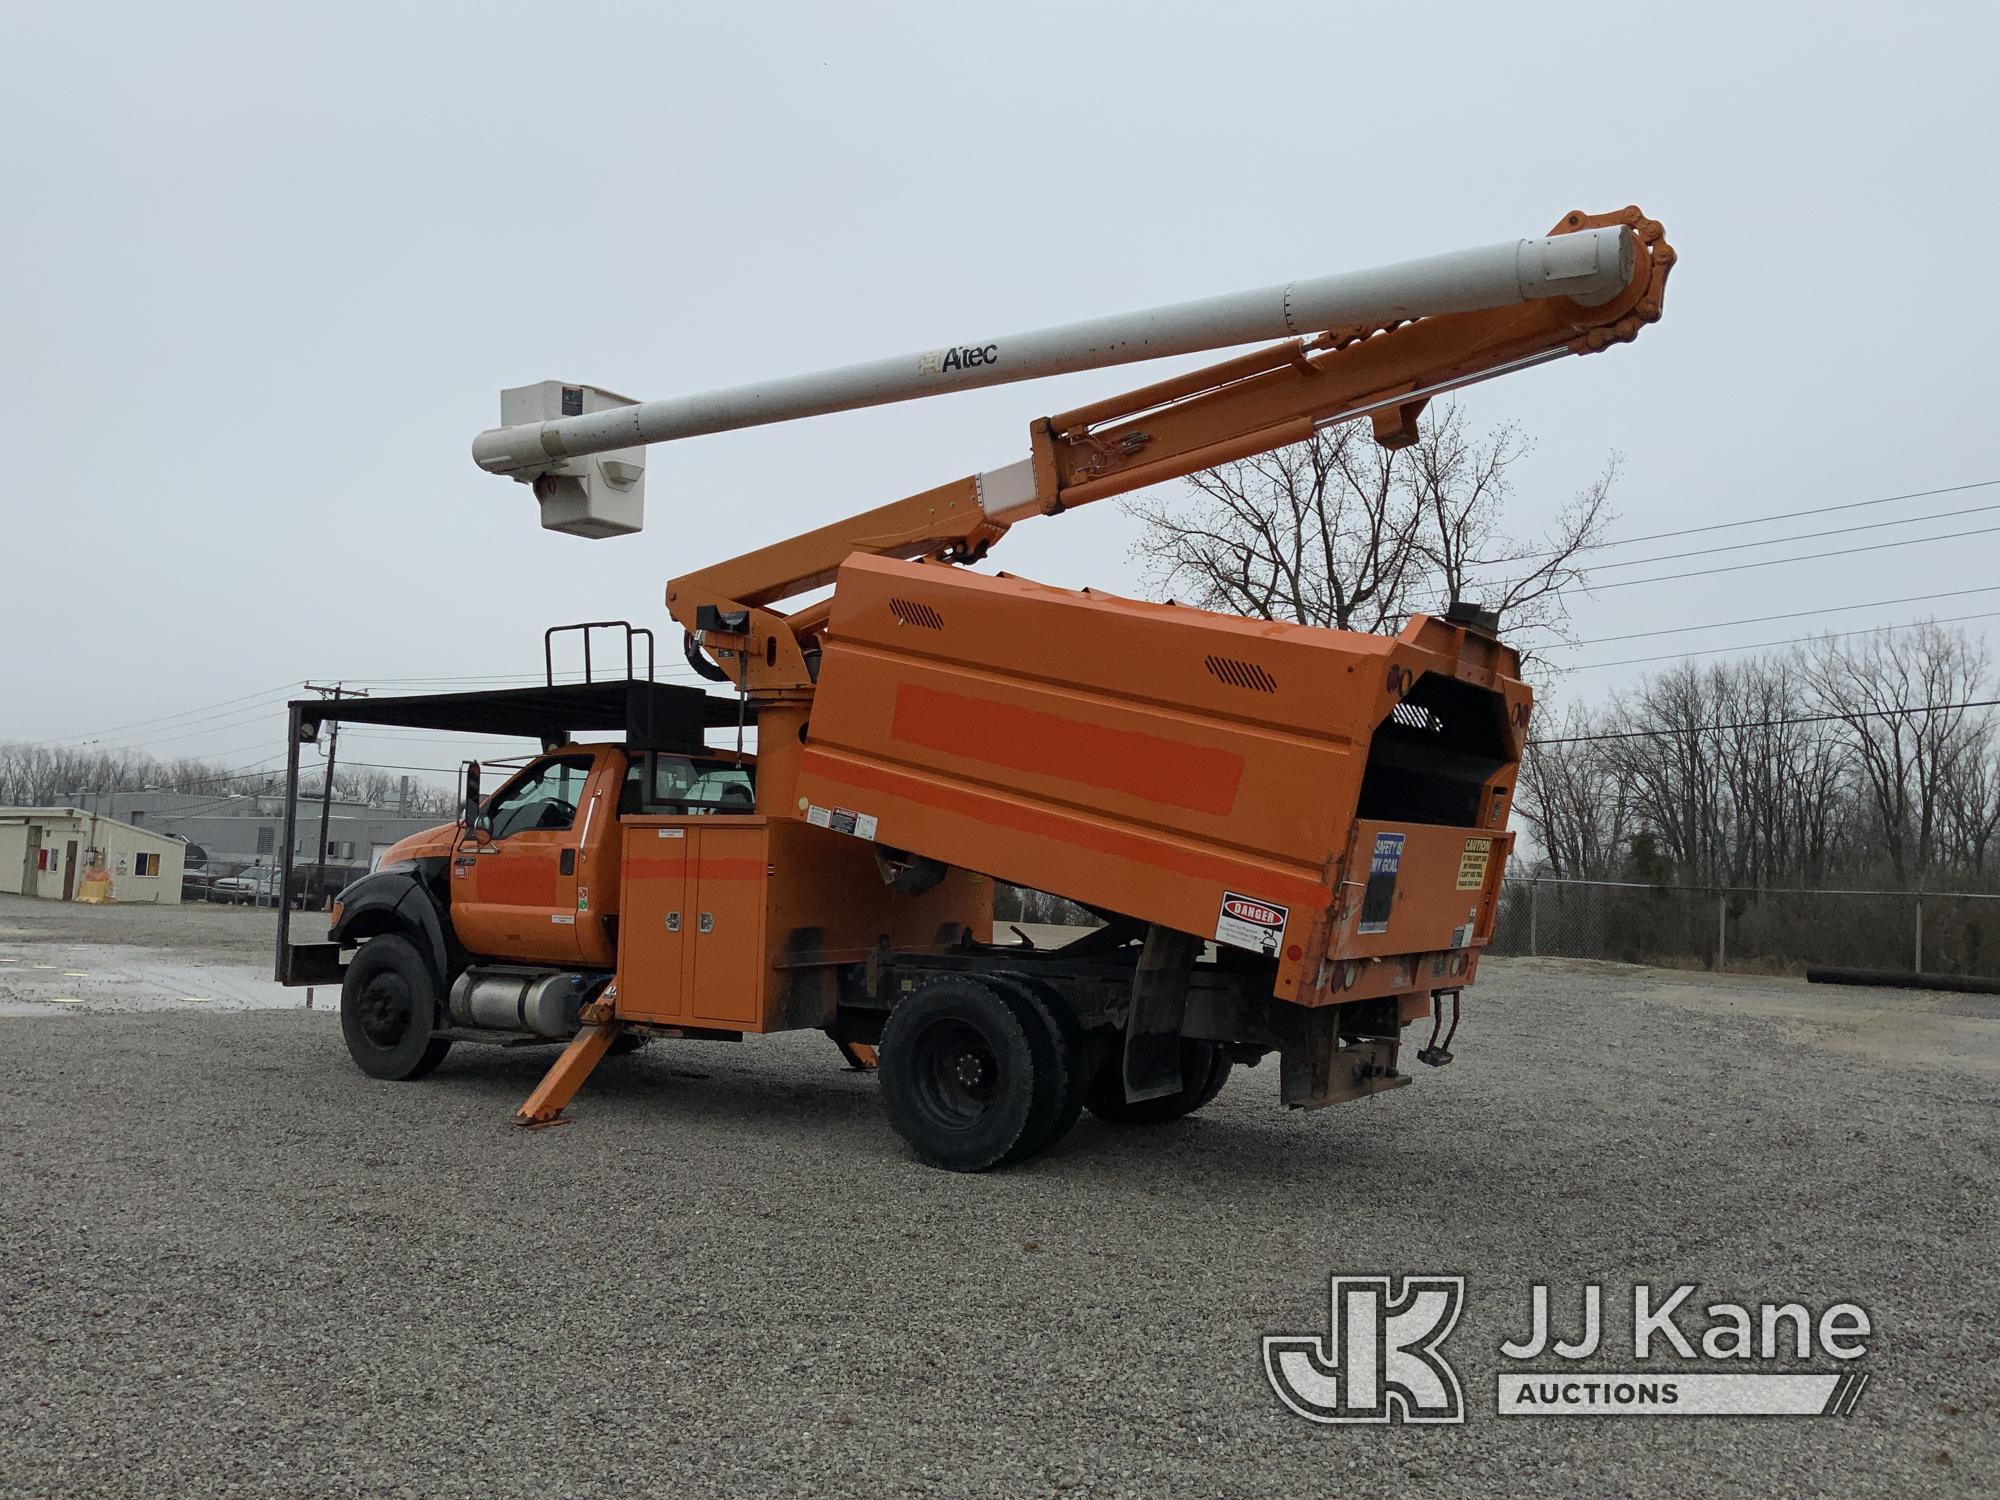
point(1204, 1070)
point(979, 1071)
point(984, 1071)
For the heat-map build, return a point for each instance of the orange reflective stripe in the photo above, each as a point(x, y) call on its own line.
point(729, 869)
point(1148, 766)
point(1073, 828)
point(701, 869)
point(654, 869)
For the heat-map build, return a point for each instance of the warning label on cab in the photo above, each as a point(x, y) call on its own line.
point(1246, 922)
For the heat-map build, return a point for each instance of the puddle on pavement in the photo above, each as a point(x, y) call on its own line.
point(128, 977)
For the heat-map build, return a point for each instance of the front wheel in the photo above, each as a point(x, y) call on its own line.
point(388, 1011)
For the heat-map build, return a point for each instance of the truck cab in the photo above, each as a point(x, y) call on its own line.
point(534, 874)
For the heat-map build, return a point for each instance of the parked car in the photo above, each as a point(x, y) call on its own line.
point(252, 887)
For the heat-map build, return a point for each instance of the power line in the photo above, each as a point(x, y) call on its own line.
point(1796, 614)
point(146, 742)
point(1813, 510)
point(225, 709)
point(1772, 562)
point(1783, 515)
point(1654, 734)
point(1802, 536)
point(1797, 640)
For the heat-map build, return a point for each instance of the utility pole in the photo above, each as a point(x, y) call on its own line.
point(338, 690)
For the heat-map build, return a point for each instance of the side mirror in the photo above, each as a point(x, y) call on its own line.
point(469, 816)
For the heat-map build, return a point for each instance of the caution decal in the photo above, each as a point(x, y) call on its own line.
point(1472, 864)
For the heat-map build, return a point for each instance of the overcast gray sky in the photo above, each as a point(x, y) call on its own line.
point(266, 268)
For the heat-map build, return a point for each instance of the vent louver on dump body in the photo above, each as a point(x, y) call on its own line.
point(1243, 674)
point(910, 612)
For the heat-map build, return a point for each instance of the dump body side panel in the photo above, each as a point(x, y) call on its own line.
point(1197, 770)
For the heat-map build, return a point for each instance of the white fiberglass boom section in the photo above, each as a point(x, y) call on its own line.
point(1590, 267)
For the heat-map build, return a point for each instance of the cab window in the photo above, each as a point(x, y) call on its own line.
point(544, 796)
point(681, 786)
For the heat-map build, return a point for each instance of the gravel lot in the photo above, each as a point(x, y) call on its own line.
point(237, 1266)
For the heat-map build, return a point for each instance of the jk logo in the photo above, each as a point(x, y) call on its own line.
point(1379, 1362)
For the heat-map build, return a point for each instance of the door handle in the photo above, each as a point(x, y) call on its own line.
point(708, 921)
point(566, 862)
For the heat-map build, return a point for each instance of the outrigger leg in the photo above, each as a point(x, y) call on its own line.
point(560, 1083)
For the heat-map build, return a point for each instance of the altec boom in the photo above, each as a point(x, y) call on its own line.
point(1293, 836)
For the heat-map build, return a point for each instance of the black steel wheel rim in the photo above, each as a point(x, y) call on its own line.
point(956, 1073)
point(384, 1010)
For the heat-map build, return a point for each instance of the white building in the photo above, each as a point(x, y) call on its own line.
point(47, 851)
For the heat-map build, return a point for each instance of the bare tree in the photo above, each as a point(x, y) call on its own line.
point(1896, 694)
point(1972, 802)
point(1321, 533)
point(1573, 800)
point(1724, 775)
point(36, 775)
point(1460, 483)
point(1339, 531)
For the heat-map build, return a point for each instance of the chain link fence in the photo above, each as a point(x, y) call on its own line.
point(1751, 931)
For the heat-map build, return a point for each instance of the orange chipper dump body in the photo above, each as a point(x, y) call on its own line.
point(1292, 837)
point(1333, 802)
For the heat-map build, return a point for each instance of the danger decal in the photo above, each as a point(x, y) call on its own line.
point(842, 820)
point(1246, 922)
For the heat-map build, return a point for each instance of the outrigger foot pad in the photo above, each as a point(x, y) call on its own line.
point(860, 1056)
point(560, 1083)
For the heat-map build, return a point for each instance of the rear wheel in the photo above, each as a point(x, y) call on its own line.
point(1059, 1052)
point(388, 1011)
point(964, 1074)
point(1204, 1070)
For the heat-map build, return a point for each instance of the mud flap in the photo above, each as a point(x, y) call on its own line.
point(1159, 1005)
point(1317, 1067)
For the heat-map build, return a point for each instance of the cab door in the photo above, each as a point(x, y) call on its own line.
point(514, 879)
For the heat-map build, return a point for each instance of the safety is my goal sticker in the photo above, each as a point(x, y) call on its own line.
point(1246, 922)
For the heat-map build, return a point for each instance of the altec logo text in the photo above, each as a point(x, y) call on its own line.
point(963, 357)
point(1382, 1360)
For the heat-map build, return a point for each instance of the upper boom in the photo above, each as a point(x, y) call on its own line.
point(554, 428)
point(1378, 344)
